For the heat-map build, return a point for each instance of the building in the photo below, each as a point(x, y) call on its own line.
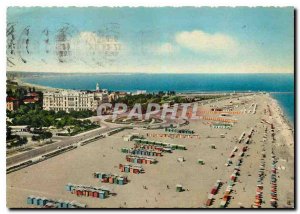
point(112, 97)
point(138, 92)
point(122, 94)
point(33, 95)
point(69, 100)
point(29, 100)
point(12, 104)
point(17, 129)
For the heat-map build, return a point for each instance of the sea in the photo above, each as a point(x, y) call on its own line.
point(281, 85)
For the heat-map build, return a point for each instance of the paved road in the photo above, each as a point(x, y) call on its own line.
point(48, 148)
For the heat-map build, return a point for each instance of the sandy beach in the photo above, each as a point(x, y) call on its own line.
point(48, 178)
point(36, 86)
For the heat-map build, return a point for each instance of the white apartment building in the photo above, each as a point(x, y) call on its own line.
point(138, 92)
point(68, 100)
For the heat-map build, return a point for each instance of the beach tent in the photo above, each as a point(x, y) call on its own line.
point(179, 188)
point(200, 161)
point(30, 199)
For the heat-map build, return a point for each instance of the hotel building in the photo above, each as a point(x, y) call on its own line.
point(69, 100)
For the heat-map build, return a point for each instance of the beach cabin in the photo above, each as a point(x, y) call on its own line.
point(128, 137)
point(50, 205)
point(101, 194)
point(35, 201)
point(209, 200)
point(233, 177)
point(68, 187)
point(111, 180)
point(167, 150)
point(115, 179)
point(213, 191)
point(229, 162)
point(44, 201)
point(200, 161)
point(60, 203)
point(79, 192)
point(212, 146)
point(120, 181)
point(95, 194)
point(223, 203)
point(179, 188)
point(30, 199)
point(180, 159)
point(181, 147)
point(65, 204)
point(73, 204)
point(127, 169)
point(90, 193)
point(136, 171)
point(105, 190)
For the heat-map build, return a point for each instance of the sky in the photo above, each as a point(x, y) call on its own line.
point(151, 40)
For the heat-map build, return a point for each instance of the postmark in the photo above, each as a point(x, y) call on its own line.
point(106, 46)
point(64, 44)
point(24, 44)
point(11, 44)
point(45, 45)
point(65, 49)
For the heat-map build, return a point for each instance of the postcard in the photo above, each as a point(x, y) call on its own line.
point(150, 107)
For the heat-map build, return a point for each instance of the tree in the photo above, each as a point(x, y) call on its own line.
point(61, 114)
point(35, 138)
point(9, 93)
point(22, 141)
point(161, 93)
point(46, 135)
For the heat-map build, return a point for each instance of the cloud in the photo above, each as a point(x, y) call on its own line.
point(200, 41)
point(166, 49)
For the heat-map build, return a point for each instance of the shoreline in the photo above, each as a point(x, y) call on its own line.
point(283, 114)
point(286, 128)
point(40, 87)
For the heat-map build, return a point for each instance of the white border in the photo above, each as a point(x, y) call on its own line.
point(84, 3)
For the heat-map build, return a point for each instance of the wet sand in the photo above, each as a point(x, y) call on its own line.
point(48, 178)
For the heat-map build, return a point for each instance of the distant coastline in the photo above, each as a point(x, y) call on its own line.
point(21, 82)
point(166, 82)
point(37, 86)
